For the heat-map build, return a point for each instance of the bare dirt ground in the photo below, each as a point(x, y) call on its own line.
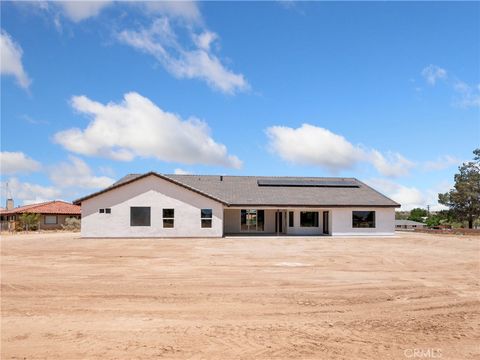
point(257, 298)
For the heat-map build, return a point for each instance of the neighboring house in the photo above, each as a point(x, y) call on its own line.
point(155, 205)
point(409, 225)
point(52, 214)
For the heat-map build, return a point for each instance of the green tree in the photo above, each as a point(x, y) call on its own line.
point(442, 217)
point(417, 214)
point(401, 215)
point(29, 221)
point(464, 199)
point(433, 220)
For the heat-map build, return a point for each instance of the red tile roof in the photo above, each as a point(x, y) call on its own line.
point(49, 207)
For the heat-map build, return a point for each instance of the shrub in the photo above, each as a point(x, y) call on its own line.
point(71, 224)
point(28, 222)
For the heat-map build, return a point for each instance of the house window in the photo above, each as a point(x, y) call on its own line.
point(168, 218)
point(101, 211)
point(140, 216)
point(206, 218)
point(51, 219)
point(108, 211)
point(309, 218)
point(252, 220)
point(363, 219)
point(290, 219)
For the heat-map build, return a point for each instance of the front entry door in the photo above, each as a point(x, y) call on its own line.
point(325, 222)
point(279, 229)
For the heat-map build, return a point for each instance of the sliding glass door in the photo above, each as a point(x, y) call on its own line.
point(252, 220)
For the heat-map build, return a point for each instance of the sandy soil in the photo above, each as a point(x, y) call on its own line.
point(256, 298)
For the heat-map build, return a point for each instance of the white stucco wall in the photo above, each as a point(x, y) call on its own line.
point(342, 222)
point(269, 226)
point(158, 194)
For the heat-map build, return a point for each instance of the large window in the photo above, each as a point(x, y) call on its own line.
point(252, 220)
point(139, 216)
point(206, 218)
point(363, 219)
point(290, 219)
point(51, 219)
point(309, 218)
point(168, 218)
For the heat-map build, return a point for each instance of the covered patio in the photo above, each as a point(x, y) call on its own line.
point(276, 222)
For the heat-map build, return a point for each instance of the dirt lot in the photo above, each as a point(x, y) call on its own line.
point(256, 298)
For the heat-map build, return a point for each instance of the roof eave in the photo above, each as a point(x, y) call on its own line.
point(318, 205)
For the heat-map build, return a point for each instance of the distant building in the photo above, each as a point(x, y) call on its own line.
point(52, 214)
point(409, 225)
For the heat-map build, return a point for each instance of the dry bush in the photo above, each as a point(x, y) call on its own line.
point(71, 224)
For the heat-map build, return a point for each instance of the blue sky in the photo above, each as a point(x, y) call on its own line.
point(385, 92)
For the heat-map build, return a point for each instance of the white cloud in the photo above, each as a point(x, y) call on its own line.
point(432, 73)
point(107, 170)
point(77, 174)
point(67, 179)
point(287, 4)
point(205, 39)
point(28, 193)
point(11, 60)
point(313, 145)
point(432, 195)
point(392, 165)
point(468, 96)
point(138, 127)
point(178, 171)
point(408, 196)
point(196, 62)
point(187, 10)
point(81, 10)
point(17, 162)
point(185, 52)
point(443, 162)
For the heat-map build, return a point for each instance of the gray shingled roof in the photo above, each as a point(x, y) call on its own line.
point(244, 190)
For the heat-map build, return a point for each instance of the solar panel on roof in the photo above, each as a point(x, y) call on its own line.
point(308, 183)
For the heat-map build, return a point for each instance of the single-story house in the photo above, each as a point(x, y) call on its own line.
point(157, 205)
point(409, 225)
point(52, 214)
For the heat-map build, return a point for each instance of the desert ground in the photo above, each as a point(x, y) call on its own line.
point(405, 297)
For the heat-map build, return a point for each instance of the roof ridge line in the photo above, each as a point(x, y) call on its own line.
point(265, 176)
